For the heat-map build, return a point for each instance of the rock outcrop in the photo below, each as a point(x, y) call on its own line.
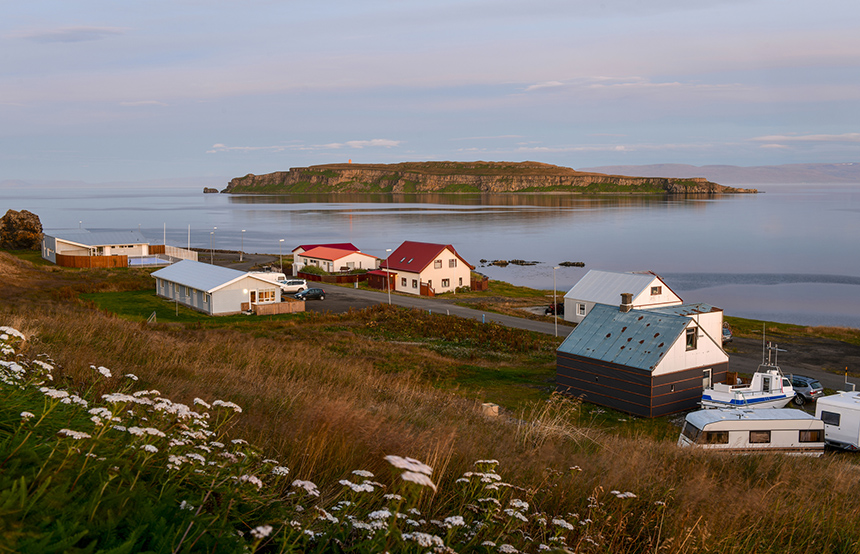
point(209, 190)
point(20, 231)
point(463, 177)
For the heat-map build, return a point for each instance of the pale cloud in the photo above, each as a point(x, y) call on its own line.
point(358, 144)
point(70, 34)
point(547, 84)
point(487, 137)
point(774, 146)
point(845, 137)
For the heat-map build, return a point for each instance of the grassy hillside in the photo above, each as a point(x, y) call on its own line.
point(327, 395)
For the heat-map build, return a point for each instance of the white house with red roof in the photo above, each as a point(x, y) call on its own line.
point(427, 269)
point(332, 258)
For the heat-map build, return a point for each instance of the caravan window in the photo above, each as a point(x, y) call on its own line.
point(759, 437)
point(691, 431)
point(811, 435)
point(715, 437)
point(830, 418)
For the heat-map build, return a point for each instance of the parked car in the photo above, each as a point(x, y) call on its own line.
point(310, 294)
point(727, 332)
point(553, 308)
point(293, 285)
point(807, 389)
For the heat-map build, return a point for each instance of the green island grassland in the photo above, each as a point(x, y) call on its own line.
point(325, 395)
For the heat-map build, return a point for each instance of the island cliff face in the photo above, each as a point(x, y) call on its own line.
point(463, 177)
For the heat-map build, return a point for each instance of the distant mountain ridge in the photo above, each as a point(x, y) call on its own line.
point(848, 172)
point(463, 177)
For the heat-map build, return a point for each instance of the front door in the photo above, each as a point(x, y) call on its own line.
point(706, 379)
point(253, 296)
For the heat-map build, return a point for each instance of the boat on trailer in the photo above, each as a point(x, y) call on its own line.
point(768, 388)
point(745, 431)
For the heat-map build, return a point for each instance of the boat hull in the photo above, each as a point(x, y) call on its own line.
point(779, 401)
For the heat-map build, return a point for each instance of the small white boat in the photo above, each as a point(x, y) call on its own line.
point(768, 388)
point(743, 431)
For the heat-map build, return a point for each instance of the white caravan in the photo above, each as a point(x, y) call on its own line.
point(840, 413)
point(749, 431)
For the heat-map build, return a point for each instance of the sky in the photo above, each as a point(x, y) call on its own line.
point(99, 90)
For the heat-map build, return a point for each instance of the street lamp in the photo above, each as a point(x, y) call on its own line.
point(242, 251)
point(388, 275)
point(554, 305)
point(280, 253)
point(211, 254)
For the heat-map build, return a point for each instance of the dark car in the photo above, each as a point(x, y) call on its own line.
point(552, 309)
point(807, 389)
point(310, 294)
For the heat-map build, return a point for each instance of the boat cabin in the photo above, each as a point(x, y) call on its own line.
point(749, 431)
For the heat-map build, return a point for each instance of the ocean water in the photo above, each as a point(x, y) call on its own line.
point(790, 254)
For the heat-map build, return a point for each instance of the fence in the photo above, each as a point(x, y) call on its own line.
point(64, 260)
point(173, 251)
point(288, 306)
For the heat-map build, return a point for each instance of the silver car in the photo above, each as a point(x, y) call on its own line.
point(293, 286)
point(807, 389)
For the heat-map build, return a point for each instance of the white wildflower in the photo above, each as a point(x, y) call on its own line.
point(280, 471)
point(150, 448)
point(308, 486)
point(507, 549)
point(409, 464)
point(201, 402)
point(379, 514)
point(97, 421)
point(131, 376)
point(516, 514)
point(392, 497)
point(519, 504)
point(419, 478)
point(362, 473)
point(104, 371)
point(251, 479)
point(77, 435)
point(355, 487)
point(455, 521)
point(239, 441)
point(261, 532)
point(488, 543)
point(562, 523)
point(27, 415)
point(425, 540)
point(492, 500)
point(231, 405)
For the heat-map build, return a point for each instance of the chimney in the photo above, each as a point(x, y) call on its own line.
point(626, 301)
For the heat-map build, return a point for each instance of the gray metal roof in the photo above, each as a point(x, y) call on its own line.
point(605, 287)
point(687, 310)
point(700, 418)
point(201, 276)
point(638, 338)
point(100, 238)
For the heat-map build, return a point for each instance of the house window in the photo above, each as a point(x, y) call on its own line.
point(205, 297)
point(186, 290)
point(656, 291)
point(759, 437)
point(414, 283)
point(452, 262)
point(691, 338)
point(267, 295)
point(580, 309)
point(403, 281)
point(811, 435)
point(831, 418)
point(461, 281)
point(446, 283)
point(437, 264)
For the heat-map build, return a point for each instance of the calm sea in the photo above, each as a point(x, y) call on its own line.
point(791, 254)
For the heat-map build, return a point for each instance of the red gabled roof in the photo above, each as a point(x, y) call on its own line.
point(415, 256)
point(327, 253)
point(340, 246)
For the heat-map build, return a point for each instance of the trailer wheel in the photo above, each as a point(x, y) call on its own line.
point(799, 400)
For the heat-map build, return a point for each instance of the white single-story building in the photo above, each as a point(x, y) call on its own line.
point(80, 242)
point(334, 259)
point(643, 362)
point(606, 287)
point(213, 289)
point(427, 269)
